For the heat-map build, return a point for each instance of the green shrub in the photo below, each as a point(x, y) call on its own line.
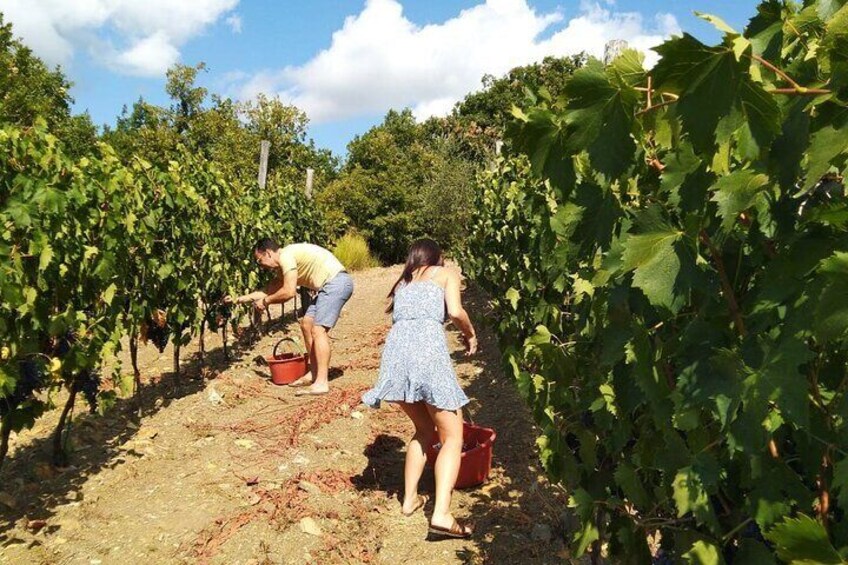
point(352, 250)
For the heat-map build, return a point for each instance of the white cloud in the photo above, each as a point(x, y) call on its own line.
point(379, 59)
point(148, 56)
point(234, 22)
point(140, 37)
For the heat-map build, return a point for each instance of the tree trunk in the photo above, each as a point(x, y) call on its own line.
point(136, 372)
point(224, 337)
point(60, 458)
point(5, 432)
point(134, 360)
point(203, 342)
point(177, 360)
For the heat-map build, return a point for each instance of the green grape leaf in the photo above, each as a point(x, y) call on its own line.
point(45, 257)
point(690, 495)
point(543, 138)
point(719, 23)
point(827, 8)
point(628, 480)
point(765, 30)
point(752, 551)
point(831, 317)
point(803, 541)
point(655, 261)
point(825, 145)
point(737, 192)
point(109, 293)
point(599, 104)
point(587, 535)
point(840, 482)
point(704, 553)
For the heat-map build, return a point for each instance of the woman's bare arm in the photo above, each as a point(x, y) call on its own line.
point(453, 300)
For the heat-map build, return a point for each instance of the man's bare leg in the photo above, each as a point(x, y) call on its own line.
point(306, 325)
point(321, 354)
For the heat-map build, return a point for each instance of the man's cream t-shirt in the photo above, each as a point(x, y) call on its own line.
point(314, 264)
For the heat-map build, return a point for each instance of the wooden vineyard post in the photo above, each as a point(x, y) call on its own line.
point(498, 148)
point(264, 148)
point(613, 49)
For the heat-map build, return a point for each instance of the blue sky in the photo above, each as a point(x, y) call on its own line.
point(345, 62)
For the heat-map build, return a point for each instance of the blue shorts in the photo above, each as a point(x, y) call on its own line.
point(327, 305)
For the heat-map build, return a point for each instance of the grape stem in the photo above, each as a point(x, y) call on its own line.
point(729, 535)
point(729, 295)
point(796, 88)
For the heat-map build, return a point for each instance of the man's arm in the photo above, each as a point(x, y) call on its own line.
point(285, 292)
point(252, 297)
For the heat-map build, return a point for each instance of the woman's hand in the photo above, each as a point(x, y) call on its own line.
point(470, 345)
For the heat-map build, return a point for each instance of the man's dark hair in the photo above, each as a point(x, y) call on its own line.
point(266, 244)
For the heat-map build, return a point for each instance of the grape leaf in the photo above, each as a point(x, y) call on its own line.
point(704, 553)
point(827, 8)
point(840, 481)
point(690, 496)
point(628, 480)
point(825, 145)
point(752, 551)
point(803, 541)
point(707, 79)
point(598, 105)
point(737, 192)
point(653, 258)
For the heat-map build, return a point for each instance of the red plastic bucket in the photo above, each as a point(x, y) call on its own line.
point(476, 459)
point(287, 367)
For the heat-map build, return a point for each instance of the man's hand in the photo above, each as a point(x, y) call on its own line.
point(229, 300)
point(260, 304)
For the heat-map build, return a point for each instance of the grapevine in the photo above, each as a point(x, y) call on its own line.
point(666, 253)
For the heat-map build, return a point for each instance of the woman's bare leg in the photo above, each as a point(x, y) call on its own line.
point(416, 451)
point(449, 427)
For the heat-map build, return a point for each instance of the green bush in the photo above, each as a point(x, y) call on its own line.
point(352, 250)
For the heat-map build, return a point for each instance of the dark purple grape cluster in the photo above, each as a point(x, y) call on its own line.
point(159, 336)
point(663, 557)
point(64, 343)
point(217, 315)
point(31, 378)
point(89, 384)
point(752, 530)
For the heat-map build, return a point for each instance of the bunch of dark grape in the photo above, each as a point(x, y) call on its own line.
point(663, 557)
point(64, 343)
point(752, 530)
point(159, 336)
point(89, 383)
point(217, 315)
point(31, 379)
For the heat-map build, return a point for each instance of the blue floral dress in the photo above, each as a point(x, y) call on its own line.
point(416, 364)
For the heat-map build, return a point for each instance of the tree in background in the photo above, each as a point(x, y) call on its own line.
point(481, 117)
point(222, 130)
point(403, 179)
point(28, 89)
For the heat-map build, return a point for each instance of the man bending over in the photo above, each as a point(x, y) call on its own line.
point(316, 268)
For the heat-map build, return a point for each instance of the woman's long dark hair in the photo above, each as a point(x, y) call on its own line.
point(423, 253)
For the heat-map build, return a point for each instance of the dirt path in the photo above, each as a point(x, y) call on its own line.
point(228, 468)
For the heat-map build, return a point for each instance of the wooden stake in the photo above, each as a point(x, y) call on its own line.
point(264, 148)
